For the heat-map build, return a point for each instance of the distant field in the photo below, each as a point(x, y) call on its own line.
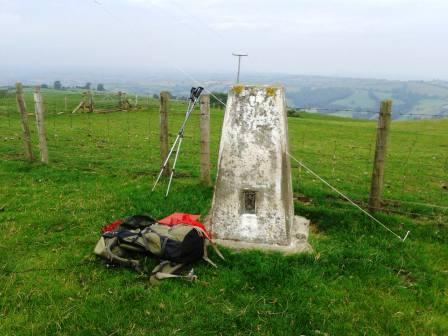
point(358, 98)
point(359, 280)
point(413, 100)
point(428, 106)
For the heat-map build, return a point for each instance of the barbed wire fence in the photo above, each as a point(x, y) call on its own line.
point(416, 169)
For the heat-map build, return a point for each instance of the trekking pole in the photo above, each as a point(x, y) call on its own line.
point(174, 166)
point(178, 137)
point(165, 163)
point(194, 97)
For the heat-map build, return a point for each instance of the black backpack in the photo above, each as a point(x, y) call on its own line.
point(140, 236)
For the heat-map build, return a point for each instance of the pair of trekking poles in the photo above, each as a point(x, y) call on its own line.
point(195, 93)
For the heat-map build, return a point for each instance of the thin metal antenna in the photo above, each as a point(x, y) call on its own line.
point(239, 64)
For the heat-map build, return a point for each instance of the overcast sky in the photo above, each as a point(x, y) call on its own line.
point(395, 39)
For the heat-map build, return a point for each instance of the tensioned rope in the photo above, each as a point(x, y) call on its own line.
point(348, 199)
point(215, 33)
point(199, 83)
point(323, 180)
point(299, 162)
point(99, 3)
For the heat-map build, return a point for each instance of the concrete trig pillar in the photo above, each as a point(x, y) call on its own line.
point(253, 202)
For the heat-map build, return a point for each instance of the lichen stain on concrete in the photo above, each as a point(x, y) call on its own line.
point(270, 91)
point(238, 89)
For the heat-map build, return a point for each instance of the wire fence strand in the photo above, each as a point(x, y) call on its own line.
point(416, 179)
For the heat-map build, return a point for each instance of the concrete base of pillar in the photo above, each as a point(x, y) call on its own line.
point(299, 240)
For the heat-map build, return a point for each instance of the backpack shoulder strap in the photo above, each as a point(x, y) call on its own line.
point(166, 270)
point(205, 254)
point(110, 244)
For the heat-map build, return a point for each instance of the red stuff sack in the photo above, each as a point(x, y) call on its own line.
point(184, 218)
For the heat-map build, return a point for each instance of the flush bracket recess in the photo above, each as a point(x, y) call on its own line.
point(249, 198)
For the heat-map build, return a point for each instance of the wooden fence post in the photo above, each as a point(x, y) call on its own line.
point(382, 135)
point(126, 103)
point(24, 117)
point(39, 112)
point(84, 101)
point(205, 139)
point(90, 101)
point(120, 100)
point(164, 100)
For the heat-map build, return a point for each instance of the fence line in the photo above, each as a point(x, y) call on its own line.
point(94, 137)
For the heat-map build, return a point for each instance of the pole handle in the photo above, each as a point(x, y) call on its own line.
point(196, 92)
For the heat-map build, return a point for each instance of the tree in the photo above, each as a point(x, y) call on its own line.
point(87, 86)
point(100, 87)
point(57, 85)
point(44, 86)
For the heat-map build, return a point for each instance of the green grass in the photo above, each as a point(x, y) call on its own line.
point(360, 280)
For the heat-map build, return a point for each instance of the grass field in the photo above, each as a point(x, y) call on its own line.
point(360, 280)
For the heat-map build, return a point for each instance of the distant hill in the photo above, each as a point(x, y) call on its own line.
point(350, 97)
point(360, 98)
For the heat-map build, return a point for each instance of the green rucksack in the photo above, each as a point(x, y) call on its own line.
point(130, 241)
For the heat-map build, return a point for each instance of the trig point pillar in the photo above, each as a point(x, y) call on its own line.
point(253, 202)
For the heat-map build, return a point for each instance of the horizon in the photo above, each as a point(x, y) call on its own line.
point(80, 75)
